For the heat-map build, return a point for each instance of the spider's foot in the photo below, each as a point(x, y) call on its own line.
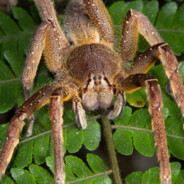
point(167, 180)
point(59, 181)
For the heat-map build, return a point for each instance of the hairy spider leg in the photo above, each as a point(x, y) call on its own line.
point(101, 18)
point(13, 132)
point(39, 99)
point(130, 36)
point(134, 82)
point(31, 65)
point(33, 58)
point(135, 23)
point(165, 54)
point(79, 29)
point(142, 62)
point(16, 124)
point(158, 127)
point(50, 38)
point(47, 12)
point(56, 116)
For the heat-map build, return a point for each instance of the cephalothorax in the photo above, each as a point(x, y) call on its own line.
point(90, 72)
point(94, 65)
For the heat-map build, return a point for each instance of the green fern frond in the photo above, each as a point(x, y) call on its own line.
point(132, 128)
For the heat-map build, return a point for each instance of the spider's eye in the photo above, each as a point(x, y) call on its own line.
point(99, 77)
point(94, 78)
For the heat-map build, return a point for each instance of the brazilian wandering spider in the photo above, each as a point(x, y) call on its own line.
point(90, 72)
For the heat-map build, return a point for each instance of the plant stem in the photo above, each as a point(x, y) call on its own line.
point(107, 130)
point(90, 177)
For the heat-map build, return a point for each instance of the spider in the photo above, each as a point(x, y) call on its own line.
point(90, 72)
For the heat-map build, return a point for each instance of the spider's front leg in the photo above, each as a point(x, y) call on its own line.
point(56, 113)
point(16, 124)
point(13, 132)
point(31, 65)
point(48, 37)
point(35, 102)
point(133, 82)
